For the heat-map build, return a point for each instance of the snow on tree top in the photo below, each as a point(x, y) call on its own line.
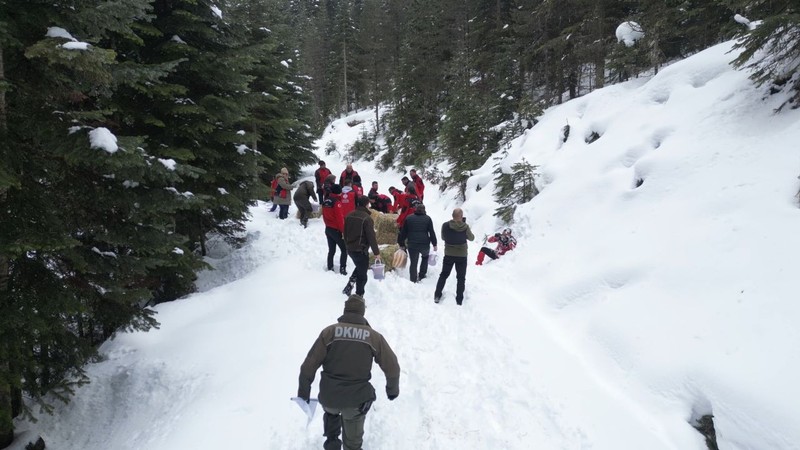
point(58, 32)
point(217, 12)
point(176, 38)
point(103, 139)
point(629, 32)
point(76, 45)
point(168, 163)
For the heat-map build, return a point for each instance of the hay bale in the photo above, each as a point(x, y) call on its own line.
point(313, 215)
point(387, 254)
point(385, 227)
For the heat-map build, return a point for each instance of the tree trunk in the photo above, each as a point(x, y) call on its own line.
point(600, 53)
point(344, 70)
point(6, 415)
point(6, 410)
point(3, 116)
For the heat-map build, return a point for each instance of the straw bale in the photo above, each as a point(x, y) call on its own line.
point(385, 227)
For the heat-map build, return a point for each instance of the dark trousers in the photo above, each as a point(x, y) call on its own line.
point(461, 275)
point(335, 239)
point(305, 210)
point(413, 258)
point(361, 261)
point(283, 211)
point(274, 206)
point(353, 431)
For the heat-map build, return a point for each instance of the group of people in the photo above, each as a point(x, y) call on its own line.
point(346, 349)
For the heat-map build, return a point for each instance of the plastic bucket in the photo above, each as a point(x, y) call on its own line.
point(433, 258)
point(377, 271)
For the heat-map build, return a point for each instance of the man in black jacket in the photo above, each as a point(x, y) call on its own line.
point(345, 351)
point(359, 238)
point(418, 231)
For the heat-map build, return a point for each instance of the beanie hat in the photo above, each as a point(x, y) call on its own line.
point(355, 304)
point(336, 189)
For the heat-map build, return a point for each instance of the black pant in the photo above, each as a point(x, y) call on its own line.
point(413, 257)
point(461, 275)
point(283, 211)
point(361, 261)
point(335, 239)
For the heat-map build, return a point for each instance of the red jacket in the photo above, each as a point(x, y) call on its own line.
point(419, 185)
point(332, 213)
point(274, 186)
point(348, 200)
point(346, 176)
point(504, 244)
point(320, 175)
point(404, 201)
point(382, 204)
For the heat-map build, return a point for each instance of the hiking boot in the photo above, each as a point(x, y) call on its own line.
point(343, 271)
point(348, 289)
point(421, 277)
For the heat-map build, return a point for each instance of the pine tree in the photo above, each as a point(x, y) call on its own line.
point(86, 217)
point(770, 50)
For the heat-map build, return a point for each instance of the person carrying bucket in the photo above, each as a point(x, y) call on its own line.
point(359, 238)
point(416, 236)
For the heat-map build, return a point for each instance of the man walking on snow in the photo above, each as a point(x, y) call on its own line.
point(455, 235)
point(345, 351)
point(359, 238)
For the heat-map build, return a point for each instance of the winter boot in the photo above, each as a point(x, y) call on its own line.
point(348, 289)
point(481, 256)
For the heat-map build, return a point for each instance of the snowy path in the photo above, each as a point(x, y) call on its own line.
point(218, 374)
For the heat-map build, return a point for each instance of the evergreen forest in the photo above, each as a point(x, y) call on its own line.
point(134, 131)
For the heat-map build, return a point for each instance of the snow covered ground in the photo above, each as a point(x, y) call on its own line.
point(624, 312)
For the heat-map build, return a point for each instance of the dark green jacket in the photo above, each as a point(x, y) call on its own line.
point(345, 350)
point(359, 232)
point(455, 236)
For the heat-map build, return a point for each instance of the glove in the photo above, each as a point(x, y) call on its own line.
point(392, 396)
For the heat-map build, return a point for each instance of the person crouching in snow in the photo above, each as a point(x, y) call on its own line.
point(305, 190)
point(505, 243)
point(345, 350)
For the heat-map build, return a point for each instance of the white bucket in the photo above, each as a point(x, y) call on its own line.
point(377, 271)
point(432, 258)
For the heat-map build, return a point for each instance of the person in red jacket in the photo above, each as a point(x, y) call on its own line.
point(379, 202)
point(333, 216)
point(348, 198)
point(274, 186)
point(409, 201)
point(319, 176)
point(347, 174)
point(418, 183)
point(505, 243)
point(357, 185)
